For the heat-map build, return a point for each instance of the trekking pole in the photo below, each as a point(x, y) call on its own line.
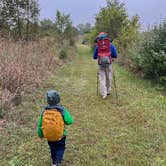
point(97, 82)
point(115, 84)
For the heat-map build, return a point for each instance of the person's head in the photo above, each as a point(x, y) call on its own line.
point(53, 97)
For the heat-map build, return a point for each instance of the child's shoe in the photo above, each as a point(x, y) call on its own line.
point(55, 164)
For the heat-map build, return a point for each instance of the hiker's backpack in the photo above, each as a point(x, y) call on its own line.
point(52, 125)
point(104, 53)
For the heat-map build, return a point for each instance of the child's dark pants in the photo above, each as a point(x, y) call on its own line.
point(57, 150)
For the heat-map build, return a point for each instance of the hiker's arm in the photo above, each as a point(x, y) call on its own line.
point(95, 53)
point(39, 126)
point(113, 51)
point(67, 117)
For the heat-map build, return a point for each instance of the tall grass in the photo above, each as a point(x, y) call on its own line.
point(24, 67)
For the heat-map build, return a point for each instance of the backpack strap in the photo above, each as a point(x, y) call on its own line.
point(59, 108)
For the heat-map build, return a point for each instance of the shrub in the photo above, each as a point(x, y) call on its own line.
point(63, 54)
point(151, 56)
point(163, 81)
point(23, 68)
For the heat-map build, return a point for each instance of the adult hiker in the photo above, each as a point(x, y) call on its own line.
point(51, 125)
point(104, 51)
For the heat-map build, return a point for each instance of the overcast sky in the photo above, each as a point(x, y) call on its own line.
point(83, 11)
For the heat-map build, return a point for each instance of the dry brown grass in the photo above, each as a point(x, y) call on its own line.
point(24, 67)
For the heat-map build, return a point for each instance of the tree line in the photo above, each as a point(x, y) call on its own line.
point(19, 19)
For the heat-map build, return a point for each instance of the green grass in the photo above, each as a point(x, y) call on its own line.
point(131, 132)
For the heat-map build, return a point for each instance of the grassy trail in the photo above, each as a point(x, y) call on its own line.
point(132, 133)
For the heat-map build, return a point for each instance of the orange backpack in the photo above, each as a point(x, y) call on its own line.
point(53, 125)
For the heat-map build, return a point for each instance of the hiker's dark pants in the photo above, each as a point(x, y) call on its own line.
point(57, 150)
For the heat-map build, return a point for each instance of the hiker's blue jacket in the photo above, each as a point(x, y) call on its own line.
point(112, 49)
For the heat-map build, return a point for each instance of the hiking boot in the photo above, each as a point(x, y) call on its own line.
point(104, 97)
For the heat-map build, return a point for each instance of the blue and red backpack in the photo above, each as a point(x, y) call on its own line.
point(104, 52)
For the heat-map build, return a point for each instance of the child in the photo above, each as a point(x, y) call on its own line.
point(51, 126)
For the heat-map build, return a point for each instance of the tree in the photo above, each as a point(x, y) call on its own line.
point(15, 15)
point(80, 28)
point(112, 18)
point(84, 28)
point(62, 21)
point(151, 56)
point(4, 27)
point(31, 16)
point(127, 40)
point(64, 27)
point(46, 24)
point(47, 27)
